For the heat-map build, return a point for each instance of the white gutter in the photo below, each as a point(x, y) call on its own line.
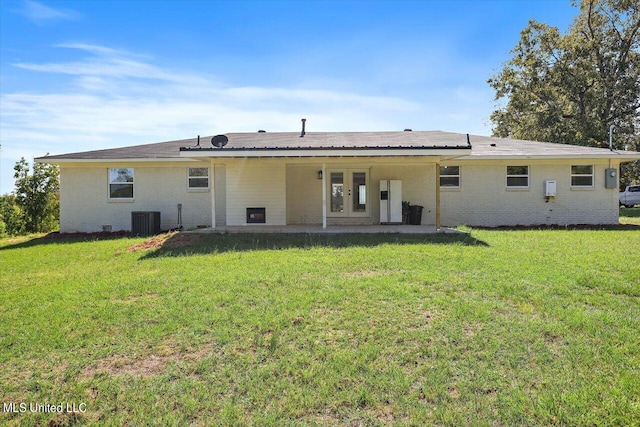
point(222, 153)
point(54, 161)
point(608, 155)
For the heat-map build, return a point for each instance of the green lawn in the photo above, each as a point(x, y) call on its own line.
point(492, 328)
point(630, 216)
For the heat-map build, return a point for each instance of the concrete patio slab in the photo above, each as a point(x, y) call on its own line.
point(342, 229)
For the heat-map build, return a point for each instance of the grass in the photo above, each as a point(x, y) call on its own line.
point(630, 216)
point(494, 328)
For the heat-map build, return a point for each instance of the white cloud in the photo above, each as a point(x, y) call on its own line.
point(105, 62)
point(41, 14)
point(98, 50)
point(118, 98)
point(119, 93)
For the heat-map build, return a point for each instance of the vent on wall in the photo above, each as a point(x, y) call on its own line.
point(256, 215)
point(145, 223)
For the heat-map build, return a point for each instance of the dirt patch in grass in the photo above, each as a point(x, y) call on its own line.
point(155, 242)
point(471, 330)
point(148, 365)
point(14, 240)
point(419, 321)
point(136, 298)
point(65, 419)
point(367, 273)
point(168, 240)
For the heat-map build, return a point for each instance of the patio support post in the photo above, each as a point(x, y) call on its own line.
point(324, 196)
point(438, 196)
point(212, 191)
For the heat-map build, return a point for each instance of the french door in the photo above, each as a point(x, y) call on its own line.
point(347, 193)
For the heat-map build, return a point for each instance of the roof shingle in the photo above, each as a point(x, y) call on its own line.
point(482, 146)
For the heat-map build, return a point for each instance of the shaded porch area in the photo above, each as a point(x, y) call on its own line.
point(346, 193)
point(344, 196)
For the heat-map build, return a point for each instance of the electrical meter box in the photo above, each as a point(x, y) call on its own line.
point(611, 178)
point(550, 188)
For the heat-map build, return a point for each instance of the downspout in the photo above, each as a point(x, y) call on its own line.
point(438, 219)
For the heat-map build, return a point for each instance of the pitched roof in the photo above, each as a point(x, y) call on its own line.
point(481, 146)
point(489, 147)
point(158, 150)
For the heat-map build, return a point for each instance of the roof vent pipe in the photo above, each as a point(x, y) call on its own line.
point(468, 141)
point(303, 132)
point(611, 137)
point(198, 144)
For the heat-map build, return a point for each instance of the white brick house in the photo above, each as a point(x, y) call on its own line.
point(333, 178)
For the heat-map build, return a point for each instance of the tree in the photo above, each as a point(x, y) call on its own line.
point(11, 216)
point(38, 195)
point(570, 88)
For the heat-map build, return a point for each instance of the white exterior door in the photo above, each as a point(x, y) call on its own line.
point(347, 193)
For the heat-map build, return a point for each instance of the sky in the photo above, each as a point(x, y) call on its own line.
point(95, 74)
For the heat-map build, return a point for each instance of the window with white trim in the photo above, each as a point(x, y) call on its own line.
point(582, 175)
point(450, 176)
point(198, 178)
point(517, 176)
point(121, 183)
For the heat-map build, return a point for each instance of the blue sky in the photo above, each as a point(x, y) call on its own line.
point(86, 75)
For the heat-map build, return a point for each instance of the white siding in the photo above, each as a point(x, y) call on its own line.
point(256, 183)
point(417, 188)
point(304, 191)
point(484, 200)
point(85, 207)
point(304, 194)
point(292, 194)
point(221, 194)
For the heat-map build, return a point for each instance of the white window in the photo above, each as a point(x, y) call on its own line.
point(582, 175)
point(121, 183)
point(450, 176)
point(198, 178)
point(517, 176)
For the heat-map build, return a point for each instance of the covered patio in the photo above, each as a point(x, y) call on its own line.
point(324, 182)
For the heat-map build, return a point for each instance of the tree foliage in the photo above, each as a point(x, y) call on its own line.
point(37, 195)
point(570, 88)
point(11, 216)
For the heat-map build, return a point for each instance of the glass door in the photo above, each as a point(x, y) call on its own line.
point(359, 194)
point(336, 194)
point(348, 193)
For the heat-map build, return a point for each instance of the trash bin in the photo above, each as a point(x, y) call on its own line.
point(415, 214)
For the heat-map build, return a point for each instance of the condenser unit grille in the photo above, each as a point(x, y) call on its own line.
point(145, 223)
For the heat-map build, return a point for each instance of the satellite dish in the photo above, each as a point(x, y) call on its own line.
point(219, 141)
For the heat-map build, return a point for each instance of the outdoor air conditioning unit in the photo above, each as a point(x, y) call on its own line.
point(145, 223)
